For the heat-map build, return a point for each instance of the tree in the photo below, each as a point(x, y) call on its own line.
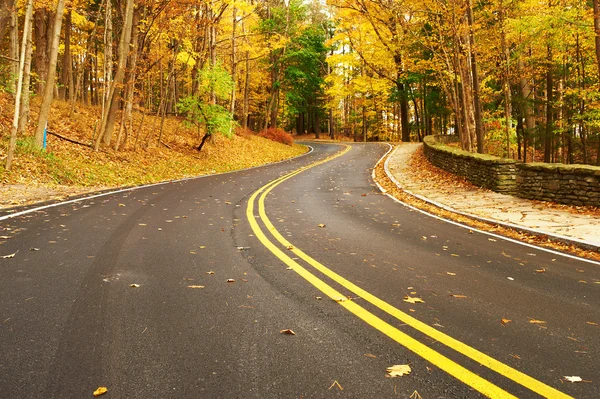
point(201, 111)
point(49, 85)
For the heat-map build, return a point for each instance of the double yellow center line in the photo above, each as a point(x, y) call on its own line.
point(454, 369)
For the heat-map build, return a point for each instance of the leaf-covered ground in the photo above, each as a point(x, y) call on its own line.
point(66, 168)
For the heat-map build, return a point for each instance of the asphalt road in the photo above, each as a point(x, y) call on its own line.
point(130, 291)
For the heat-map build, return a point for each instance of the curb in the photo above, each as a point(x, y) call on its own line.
point(536, 232)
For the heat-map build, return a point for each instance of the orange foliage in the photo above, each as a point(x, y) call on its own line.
point(278, 135)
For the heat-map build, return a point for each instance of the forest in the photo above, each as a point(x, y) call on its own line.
point(512, 78)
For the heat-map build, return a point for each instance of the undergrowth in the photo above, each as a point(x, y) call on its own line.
point(143, 160)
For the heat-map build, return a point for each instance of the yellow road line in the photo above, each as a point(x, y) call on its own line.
point(434, 357)
point(407, 341)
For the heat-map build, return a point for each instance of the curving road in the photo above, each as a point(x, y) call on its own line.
point(130, 291)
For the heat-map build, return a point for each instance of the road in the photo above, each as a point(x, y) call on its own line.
point(181, 290)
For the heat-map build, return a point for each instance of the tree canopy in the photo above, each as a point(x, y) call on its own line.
point(512, 78)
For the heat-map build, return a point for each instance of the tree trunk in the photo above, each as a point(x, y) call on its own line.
point(108, 56)
point(527, 112)
point(549, 107)
point(49, 86)
point(130, 88)
point(42, 36)
point(66, 73)
point(14, 49)
point(108, 119)
point(24, 113)
point(233, 60)
point(5, 16)
point(475, 76)
point(17, 112)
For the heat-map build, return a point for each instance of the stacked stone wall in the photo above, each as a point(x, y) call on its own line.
point(482, 170)
point(564, 184)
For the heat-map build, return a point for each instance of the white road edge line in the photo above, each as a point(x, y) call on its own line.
point(41, 208)
point(383, 190)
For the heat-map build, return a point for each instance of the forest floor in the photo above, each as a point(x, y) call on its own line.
point(65, 169)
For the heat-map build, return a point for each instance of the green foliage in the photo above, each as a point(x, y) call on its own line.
point(305, 70)
point(200, 110)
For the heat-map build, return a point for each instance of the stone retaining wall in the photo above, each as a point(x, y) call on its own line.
point(564, 184)
point(482, 170)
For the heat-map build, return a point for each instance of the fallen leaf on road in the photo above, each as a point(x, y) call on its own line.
point(210, 272)
point(505, 321)
point(230, 280)
point(5, 237)
point(398, 370)
point(410, 299)
point(195, 286)
point(318, 298)
point(454, 255)
point(510, 278)
point(415, 395)
point(458, 295)
point(423, 238)
point(100, 391)
point(540, 270)
point(228, 203)
point(290, 247)
point(121, 204)
point(515, 356)
point(287, 331)
point(370, 355)
point(142, 224)
point(34, 249)
point(491, 239)
point(336, 384)
point(451, 274)
point(591, 323)
point(134, 285)
point(9, 256)
point(534, 321)
point(573, 378)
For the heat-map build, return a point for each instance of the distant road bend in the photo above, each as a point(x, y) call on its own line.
point(293, 280)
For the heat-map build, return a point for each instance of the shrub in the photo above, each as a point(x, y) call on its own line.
point(278, 135)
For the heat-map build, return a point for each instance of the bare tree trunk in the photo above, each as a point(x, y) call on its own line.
point(66, 73)
point(13, 134)
point(42, 37)
point(108, 119)
point(108, 55)
point(49, 86)
point(476, 97)
point(549, 107)
point(14, 48)
point(24, 113)
point(5, 16)
point(131, 81)
point(233, 60)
